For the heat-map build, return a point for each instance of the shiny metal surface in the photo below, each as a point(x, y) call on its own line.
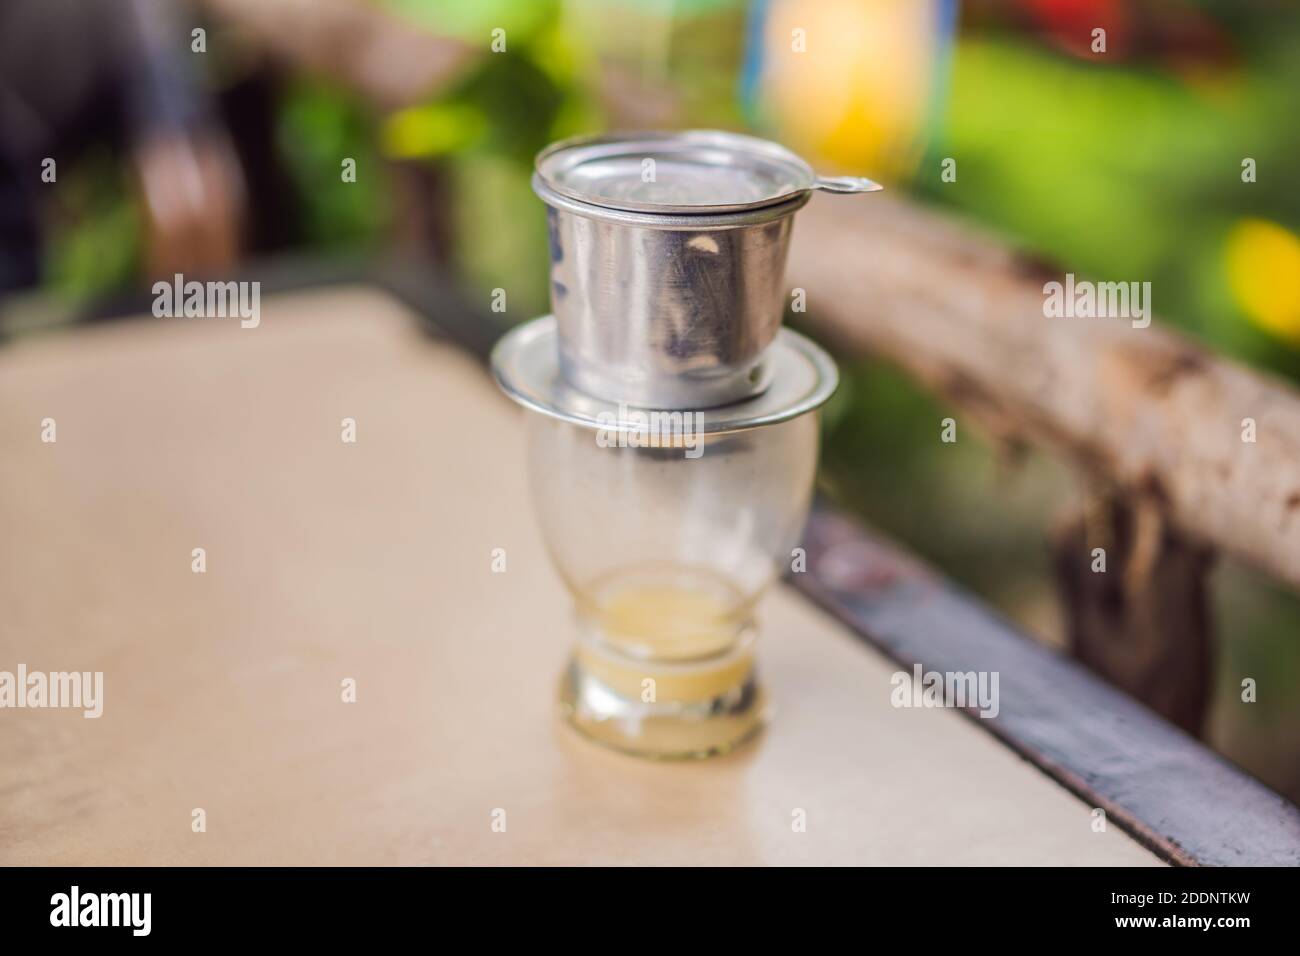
point(526, 364)
point(667, 311)
point(846, 185)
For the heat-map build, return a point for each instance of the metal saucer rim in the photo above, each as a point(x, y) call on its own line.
point(545, 391)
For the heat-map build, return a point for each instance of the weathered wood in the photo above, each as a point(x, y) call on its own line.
point(1141, 619)
point(1143, 407)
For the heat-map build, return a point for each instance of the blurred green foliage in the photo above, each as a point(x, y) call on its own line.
point(317, 127)
point(474, 20)
point(1128, 172)
point(93, 245)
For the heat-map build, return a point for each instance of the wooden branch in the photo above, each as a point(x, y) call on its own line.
point(1142, 407)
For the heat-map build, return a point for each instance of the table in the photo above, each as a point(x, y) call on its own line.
point(371, 561)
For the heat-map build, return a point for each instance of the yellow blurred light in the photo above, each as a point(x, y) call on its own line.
point(848, 82)
point(1263, 260)
point(422, 132)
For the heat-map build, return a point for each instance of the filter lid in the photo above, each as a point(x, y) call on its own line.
point(695, 171)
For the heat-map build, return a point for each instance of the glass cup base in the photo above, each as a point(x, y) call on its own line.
point(683, 713)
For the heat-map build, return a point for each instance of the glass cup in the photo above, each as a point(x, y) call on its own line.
point(666, 557)
point(666, 527)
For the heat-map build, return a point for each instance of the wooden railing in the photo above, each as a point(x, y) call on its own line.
point(1183, 452)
